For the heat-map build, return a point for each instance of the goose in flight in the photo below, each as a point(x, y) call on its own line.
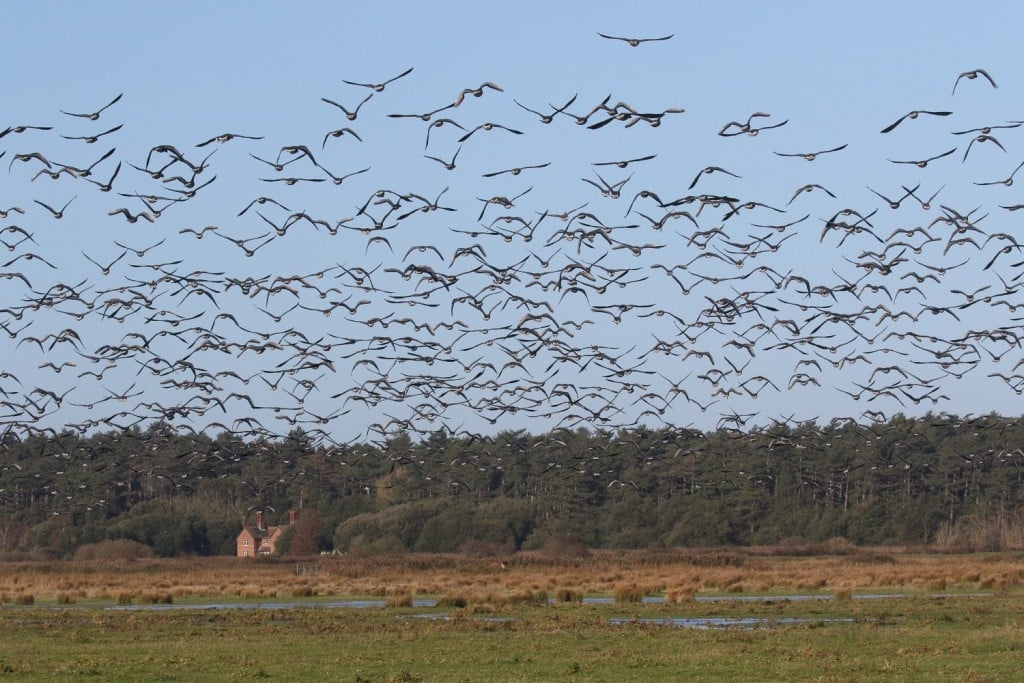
point(811, 156)
point(971, 75)
point(913, 115)
point(92, 116)
point(635, 42)
point(379, 87)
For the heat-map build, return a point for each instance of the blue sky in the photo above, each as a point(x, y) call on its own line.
point(190, 71)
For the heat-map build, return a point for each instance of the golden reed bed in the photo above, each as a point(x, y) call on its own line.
point(628, 575)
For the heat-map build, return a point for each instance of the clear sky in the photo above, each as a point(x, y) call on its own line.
point(826, 76)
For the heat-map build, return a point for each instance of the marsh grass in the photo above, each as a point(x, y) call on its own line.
point(569, 595)
point(157, 598)
point(629, 592)
point(534, 597)
point(400, 599)
point(617, 573)
point(681, 595)
point(453, 600)
point(915, 638)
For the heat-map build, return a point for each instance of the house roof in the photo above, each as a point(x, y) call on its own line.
point(257, 532)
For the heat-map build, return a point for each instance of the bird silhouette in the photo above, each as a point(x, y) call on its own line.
point(971, 75)
point(635, 42)
point(379, 87)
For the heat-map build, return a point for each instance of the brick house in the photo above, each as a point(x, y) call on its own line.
point(260, 540)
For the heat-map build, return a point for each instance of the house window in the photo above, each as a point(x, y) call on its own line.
point(245, 553)
point(245, 542)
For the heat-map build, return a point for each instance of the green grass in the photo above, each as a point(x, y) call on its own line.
point(918, 638)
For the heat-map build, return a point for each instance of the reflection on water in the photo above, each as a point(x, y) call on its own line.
point(592, 600)
point(657, 599)
point(334, 604)
point(726, 622)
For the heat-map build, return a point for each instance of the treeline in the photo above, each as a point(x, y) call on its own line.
point(936, 478)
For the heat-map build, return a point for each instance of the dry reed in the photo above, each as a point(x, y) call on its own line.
point(608, 572)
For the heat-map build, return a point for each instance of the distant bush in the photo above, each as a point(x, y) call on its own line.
point(564, 547)
point(37, 555)
point(118, 549)
point(982, 533)
point(837, 545)
point(629, 592)
point(538, 597)
point(403, 599)
point(157, 598)
point(476, 548)
point(715, 558)
point(569, 595)
point(452, 600)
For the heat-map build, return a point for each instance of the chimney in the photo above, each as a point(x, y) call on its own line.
point(291, 517)
point(259, 519)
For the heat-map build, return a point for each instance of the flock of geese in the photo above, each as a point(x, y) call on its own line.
point(641, 299)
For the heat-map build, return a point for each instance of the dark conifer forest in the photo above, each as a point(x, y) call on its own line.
point(926, 480)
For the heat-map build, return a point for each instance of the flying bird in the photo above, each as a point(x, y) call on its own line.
point(22, 129)
point(423, 117)
point(476, 92)
point(1008, 181)
point(109, 185)
point(811, 156)
point(489, 126)
point(707, 171)
point(634, 42)
point(624, 163)
point(338, 180)
point(379, 87)
point(971, 75)
point(58, 214)
point(555, 111)
point(913, 115)
point(437, 124)
point(515, 171)
point(105, 269)
point(809, 188)
point(225, 137)
point(747, 127)
point(350, 115)
point(924, 162)
point(92, 116)
point(448, 164)
point(981, 138)
point(338, 133)
point(93, 138)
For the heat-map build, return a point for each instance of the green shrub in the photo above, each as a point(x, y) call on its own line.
point(117, 549)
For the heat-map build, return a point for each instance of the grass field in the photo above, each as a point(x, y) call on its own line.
point(522, 623)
